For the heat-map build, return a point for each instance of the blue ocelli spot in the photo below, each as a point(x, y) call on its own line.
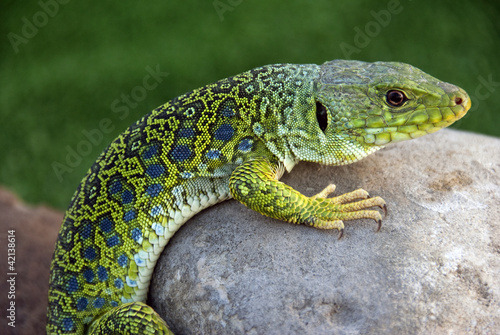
point(245, 145)
point(99, 302)
point(159, 230)
point(181, 153)
point(88, 274)
point(68, 324)
point(86, 230)
point(154, 190)
point(137, 235)
point(224, 133)
point(150, 152)
point(113, 241)
point(155, 170)
point(127, 197)
point(139, 261)
point(157, 210)
point(115, 187)
point(131, 282)
point(102, 273)
point(81, 304)
point(90, 253)
point(118, 283)
point(123, 260)
point(72, 284)
point(185, 175)
point(129, 216)
point(228, 112)
point(106, 225)
point(213, 154)
point(186, 132)
point(113, 303)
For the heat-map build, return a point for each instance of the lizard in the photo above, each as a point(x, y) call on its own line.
point(234, 138)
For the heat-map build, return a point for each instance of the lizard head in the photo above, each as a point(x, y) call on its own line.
point(360, 107)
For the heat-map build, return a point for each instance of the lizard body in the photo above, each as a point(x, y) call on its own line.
point(233, 138)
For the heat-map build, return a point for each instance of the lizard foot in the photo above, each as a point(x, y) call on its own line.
point(330, 213)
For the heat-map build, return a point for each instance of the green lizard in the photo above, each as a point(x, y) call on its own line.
point(233, 138)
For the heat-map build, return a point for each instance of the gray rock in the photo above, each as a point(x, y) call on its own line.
point(434, 267)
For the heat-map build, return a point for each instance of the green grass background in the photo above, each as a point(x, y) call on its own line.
point(62, 80)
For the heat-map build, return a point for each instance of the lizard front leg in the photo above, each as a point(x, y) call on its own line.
point(255, 184)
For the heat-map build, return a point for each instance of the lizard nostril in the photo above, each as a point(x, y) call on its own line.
point(459, 100)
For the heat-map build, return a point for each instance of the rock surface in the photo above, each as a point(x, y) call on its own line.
point(35, 231)
point(433, 268)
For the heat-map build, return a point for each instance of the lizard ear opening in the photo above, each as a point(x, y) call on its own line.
point(321, 116)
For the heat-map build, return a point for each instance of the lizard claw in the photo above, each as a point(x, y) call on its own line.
point(384, 208)
point(341, 233)
point(379, 222)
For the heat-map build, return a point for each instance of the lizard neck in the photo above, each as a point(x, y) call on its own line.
point(277, 94)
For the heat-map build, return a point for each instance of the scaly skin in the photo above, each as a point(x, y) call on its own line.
point(234, 138)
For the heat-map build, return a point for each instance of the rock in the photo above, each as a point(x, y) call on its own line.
point(35, 230)
point(433, 268)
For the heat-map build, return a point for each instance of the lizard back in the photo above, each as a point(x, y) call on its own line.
point(162, 170)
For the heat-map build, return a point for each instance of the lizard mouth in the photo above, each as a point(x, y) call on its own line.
point(423, 120)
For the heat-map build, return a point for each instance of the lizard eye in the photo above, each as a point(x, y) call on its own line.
point(395, 98)
point(321, 116)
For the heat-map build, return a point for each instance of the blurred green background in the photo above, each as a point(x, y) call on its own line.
point(66, 65)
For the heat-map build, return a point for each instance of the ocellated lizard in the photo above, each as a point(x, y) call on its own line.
point(230, 139)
